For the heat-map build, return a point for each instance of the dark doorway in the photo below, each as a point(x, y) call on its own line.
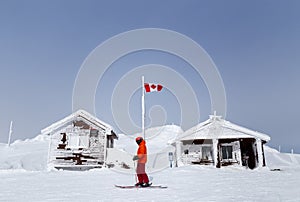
point(248, 151)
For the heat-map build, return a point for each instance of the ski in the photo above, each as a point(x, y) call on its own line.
point(133, 186)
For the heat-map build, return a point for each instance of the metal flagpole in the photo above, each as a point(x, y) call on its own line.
point(143, 106)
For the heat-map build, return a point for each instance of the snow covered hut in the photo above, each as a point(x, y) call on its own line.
point(79, 142)
point(220, 143)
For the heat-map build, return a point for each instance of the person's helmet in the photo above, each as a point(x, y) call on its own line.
point(138, 140)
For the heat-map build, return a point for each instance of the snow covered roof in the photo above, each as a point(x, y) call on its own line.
point(216, 127)
point(82, 114)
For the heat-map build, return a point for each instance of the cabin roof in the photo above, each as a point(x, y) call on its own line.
point(84, 115)
point(217, 128)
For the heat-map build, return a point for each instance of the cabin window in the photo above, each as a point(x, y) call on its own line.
point(226, 152)
point(206, 152)
point(78, 139)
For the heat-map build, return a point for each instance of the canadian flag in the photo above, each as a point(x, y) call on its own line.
point(150, 87)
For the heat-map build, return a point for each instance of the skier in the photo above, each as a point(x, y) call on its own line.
point(141, 156)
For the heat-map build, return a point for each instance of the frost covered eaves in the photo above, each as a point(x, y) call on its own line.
point(253, 133)
point(79, 113)
point(194, 129)
point(226, 130)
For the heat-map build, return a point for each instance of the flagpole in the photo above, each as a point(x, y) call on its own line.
point(143, 106)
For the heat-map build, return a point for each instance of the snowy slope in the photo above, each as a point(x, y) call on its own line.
point(30, 154)
point(157, 138)
point(158, 141)
point(275, 159)
point(187, 183)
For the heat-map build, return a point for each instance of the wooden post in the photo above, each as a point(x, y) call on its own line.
point(178, 152)
point(259, 152)
point(215, 152)
point(10, 133)
point(105, 146)
point(49, 154)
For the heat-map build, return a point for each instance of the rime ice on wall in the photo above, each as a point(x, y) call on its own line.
point(220, 143)
point(79, 141)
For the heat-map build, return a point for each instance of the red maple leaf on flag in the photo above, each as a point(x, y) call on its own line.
point(151, 87)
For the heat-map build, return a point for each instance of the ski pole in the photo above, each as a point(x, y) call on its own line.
point(135, 175)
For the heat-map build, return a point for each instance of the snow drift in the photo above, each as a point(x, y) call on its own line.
point(30, 154)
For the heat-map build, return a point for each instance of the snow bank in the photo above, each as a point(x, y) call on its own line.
point(157, 138)
point(275, 159)
point(158, 141)
point(30, 154)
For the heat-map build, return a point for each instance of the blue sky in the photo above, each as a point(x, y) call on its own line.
point(254, 44)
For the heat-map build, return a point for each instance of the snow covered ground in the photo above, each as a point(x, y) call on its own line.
point(24, 177)
point(191, 183)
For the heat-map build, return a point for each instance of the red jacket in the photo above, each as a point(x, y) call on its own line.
point(142, 152)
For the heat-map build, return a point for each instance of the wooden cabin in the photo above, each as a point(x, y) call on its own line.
point(79, 142)
point(221, 143)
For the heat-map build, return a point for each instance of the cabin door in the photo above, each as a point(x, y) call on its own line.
point(249, 151)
